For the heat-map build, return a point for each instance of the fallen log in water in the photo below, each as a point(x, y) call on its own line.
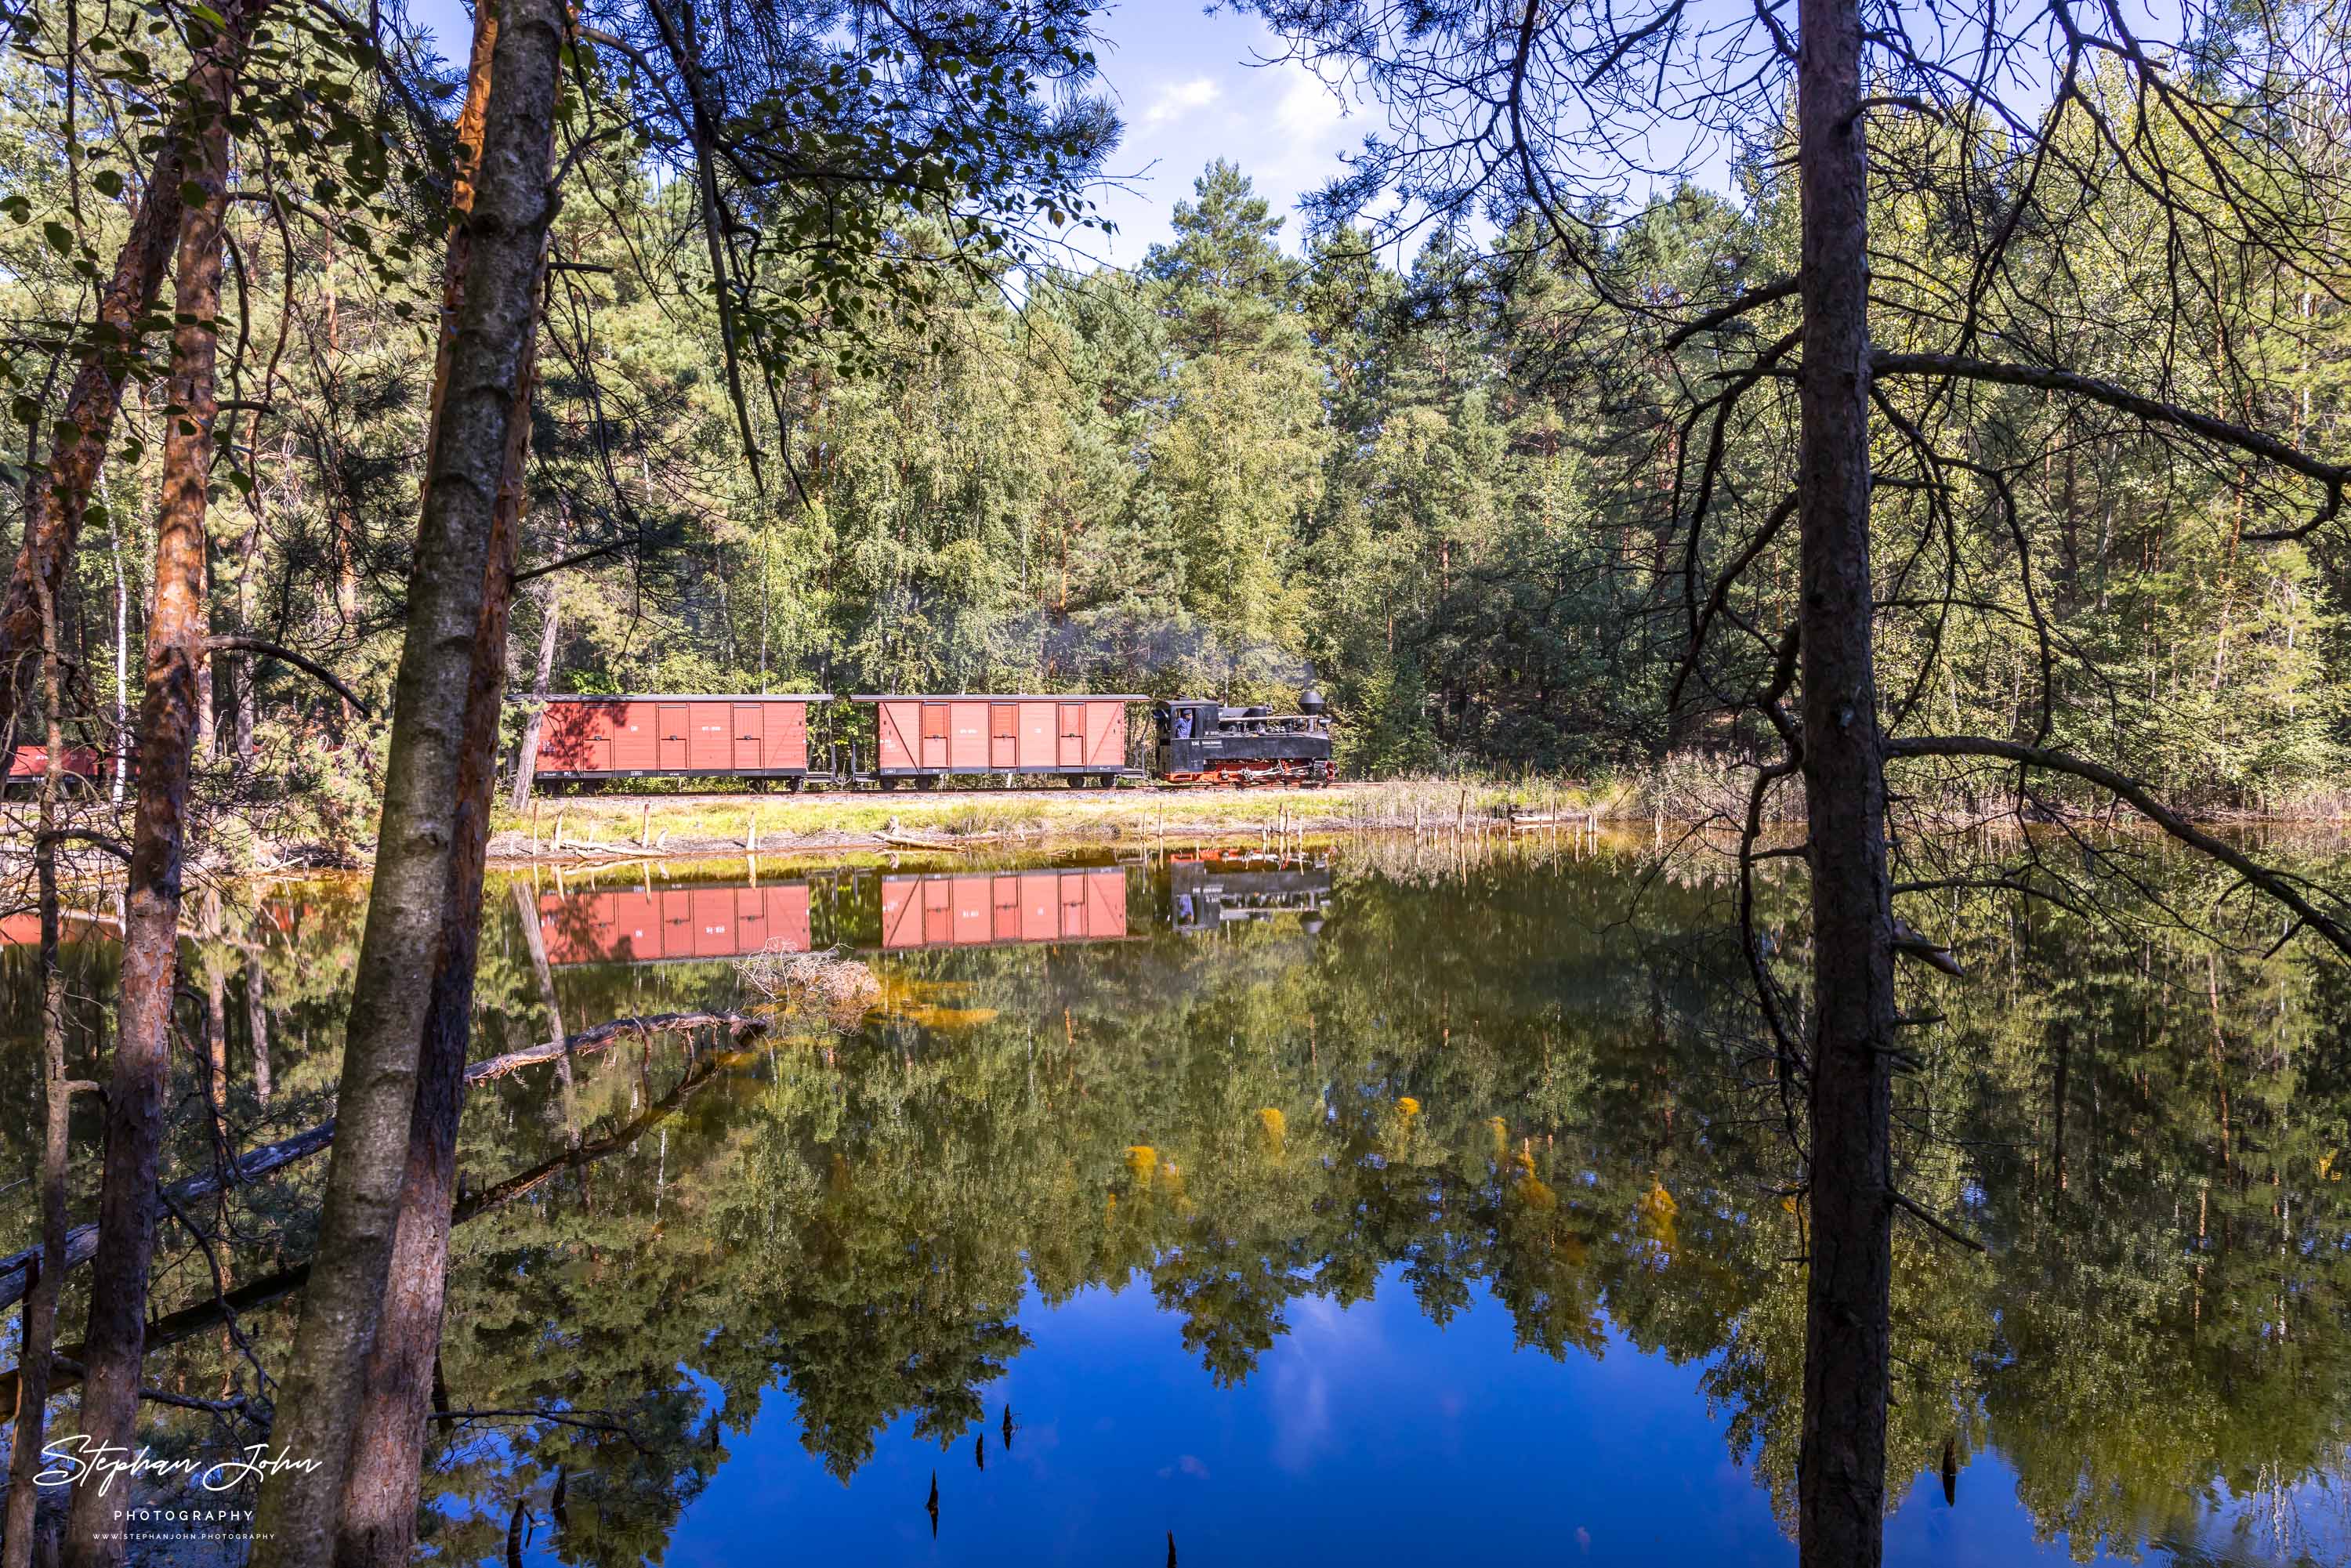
point(190, 1322)
point(81, 1242)
point(588, 1041)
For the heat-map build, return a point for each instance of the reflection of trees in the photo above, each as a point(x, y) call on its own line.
point(1472, 1083)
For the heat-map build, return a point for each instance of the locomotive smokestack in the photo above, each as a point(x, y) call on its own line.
point(1310, 701)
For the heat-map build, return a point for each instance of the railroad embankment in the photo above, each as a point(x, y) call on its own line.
point(591, 826)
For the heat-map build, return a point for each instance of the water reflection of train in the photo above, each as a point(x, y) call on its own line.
point(1216, 889)
point(892, 911)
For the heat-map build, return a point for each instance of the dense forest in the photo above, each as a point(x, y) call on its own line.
point(1446, 493)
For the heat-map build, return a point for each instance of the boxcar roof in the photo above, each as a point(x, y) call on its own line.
point(999, 697)
point(683, 698)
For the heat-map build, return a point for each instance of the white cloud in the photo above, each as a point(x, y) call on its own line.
point(1177, 99)
point(1309, 110)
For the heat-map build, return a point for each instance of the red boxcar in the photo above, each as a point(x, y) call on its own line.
point(30, 764)
point(929, 737)
point(980, 910)
point(760, 736)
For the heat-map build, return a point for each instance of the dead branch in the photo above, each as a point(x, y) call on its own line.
point(2276, 884)
point(238, 644)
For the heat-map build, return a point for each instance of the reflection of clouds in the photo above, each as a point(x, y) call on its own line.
point(1323, 1338)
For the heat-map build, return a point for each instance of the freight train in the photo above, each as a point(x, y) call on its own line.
point(923, 740)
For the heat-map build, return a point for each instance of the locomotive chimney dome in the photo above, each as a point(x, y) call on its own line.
point(1310, 701)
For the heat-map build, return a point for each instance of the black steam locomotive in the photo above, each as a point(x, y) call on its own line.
point(1201, 741)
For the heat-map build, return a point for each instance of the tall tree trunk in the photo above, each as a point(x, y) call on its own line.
point(56, 500)
point(168, 734)
point(381, 1490)
point(40, 1330)
point(1841, 1463)
point(436, 792)
point(526, 759)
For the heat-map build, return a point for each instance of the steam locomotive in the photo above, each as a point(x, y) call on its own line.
point(923, 740)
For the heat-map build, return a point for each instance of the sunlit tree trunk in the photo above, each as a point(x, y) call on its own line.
point(56, 499)
point(526, 759)
point(167, 736)
point(1841, 1463)
point(411, 978)
point(381, 1492)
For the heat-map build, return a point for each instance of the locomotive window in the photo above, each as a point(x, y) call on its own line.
point(1183, 724)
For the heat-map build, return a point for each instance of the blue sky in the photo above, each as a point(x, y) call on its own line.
point(1188, 88)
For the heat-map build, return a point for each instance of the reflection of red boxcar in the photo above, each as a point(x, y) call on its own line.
point(928, 737)
point(1009, 907)
point(632, 925)
point(754, 737)
point(23, 929)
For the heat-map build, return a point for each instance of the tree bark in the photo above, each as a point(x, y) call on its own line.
point(40, 1330)
point(168, 735)
point(435, 793)
point(1841, 1463)
point(381, 1491)
point(526, 759)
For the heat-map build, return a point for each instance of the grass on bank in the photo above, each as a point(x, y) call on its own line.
point(1130, 813)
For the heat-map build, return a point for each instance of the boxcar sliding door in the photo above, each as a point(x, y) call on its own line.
point(670, 737)
point(935, 735)
point(750, 736)
point(1003, 737)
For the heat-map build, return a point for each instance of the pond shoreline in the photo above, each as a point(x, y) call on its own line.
point(595, 827)
point(601, 829)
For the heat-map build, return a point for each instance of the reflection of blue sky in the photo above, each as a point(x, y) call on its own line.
point(1366, 1436)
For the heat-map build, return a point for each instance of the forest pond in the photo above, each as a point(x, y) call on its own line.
point(1372, 1205)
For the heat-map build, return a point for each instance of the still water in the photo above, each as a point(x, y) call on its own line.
point(1375, 1205)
